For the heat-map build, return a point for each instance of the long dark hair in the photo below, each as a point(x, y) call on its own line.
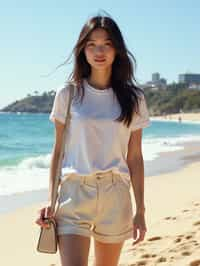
point(122, 79)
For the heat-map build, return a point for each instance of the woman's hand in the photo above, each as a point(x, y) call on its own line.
point(44, 213)
point(139, 227)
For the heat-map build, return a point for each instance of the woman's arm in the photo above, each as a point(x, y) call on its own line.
point(136, 167)
point(46, 211)
point(59, 130)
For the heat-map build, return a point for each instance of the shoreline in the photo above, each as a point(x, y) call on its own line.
point(166, 163)
point(171, 161)
point(182, 117)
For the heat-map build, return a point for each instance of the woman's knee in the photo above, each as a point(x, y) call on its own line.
point(107, 254)
point(74, 250)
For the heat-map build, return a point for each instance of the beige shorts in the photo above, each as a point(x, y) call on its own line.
point(98, 205)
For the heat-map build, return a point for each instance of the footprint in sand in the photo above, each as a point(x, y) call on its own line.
point(196, 223)
point(180, 237)
point(177, 240)
point(146, 256)
point(188, 237)
point(170, 218)
point(154, 238)
point(195, 263)
point(196, 204)
point(186, 253)
point(141, 263)
point(161, 259)
point(185, 210)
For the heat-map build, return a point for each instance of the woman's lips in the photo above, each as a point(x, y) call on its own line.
point(100, 60)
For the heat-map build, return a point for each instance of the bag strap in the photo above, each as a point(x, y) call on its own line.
point(59, 166)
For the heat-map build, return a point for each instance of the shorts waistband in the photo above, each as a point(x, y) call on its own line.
point(93, 176)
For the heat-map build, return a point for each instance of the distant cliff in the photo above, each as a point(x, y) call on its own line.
point(174, 99)
point(32, 104)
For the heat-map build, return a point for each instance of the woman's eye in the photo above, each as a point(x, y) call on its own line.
point(108, 44)
point(90, 44)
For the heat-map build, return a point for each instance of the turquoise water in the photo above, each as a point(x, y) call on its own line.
point(26, 142)
point(23, 136)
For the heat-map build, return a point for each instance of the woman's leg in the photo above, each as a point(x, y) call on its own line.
point(107, 254)
point(74, 250)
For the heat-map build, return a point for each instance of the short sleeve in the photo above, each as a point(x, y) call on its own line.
point(141, 119)
point(59, 109)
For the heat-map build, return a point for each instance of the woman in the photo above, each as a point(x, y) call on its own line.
point(104, 150)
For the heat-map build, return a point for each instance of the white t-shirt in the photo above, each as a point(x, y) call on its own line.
point(95, 142)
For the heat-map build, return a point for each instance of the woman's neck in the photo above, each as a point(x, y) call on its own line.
point(100, 79)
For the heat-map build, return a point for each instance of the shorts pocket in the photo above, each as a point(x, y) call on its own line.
point(126, 184)
point(88, 184)
point(124, 195)
point(116, 209)
point(68, 193)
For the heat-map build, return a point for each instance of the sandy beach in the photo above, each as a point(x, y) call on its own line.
point(172, 201)
point(172, 217)
point(195, 117)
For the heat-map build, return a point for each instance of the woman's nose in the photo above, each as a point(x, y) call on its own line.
point(99, 49)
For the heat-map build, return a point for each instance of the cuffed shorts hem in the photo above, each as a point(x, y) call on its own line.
point(113, 238)
point(97, 236)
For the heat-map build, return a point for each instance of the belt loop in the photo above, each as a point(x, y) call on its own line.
point(82, 180)
point(113, 178)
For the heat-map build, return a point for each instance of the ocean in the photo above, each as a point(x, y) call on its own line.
point(26, 142)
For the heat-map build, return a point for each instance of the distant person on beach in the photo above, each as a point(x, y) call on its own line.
point(104, 157)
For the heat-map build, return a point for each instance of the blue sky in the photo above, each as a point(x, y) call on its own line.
point(36, 37)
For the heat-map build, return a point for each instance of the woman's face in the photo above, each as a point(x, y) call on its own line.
point(99, 50)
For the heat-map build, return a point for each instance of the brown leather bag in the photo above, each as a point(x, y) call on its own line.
point(47, 242)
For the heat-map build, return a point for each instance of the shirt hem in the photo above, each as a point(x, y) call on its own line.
point(144, 124)
point(52, 118)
